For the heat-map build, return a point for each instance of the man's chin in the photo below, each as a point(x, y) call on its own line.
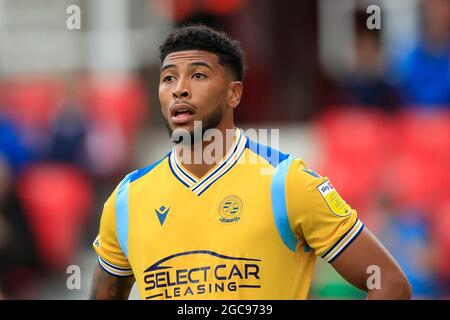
point(188, 127)
point(183, 134)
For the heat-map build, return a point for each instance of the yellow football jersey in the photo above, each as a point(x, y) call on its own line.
point(251, 228)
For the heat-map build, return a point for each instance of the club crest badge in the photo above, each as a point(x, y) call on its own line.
point(230, 209)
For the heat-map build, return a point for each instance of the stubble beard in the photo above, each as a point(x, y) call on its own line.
point(210, 121)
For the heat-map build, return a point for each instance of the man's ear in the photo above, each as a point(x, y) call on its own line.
point(235, 94)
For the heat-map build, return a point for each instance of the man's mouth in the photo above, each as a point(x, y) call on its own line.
point(182, 113)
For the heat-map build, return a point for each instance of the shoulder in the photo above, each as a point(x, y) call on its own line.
point(273, 156)
point(294, 168)
point(139, 173)
point(303, 178)
point(131, 177)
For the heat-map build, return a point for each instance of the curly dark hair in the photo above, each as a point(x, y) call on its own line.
point(201, 37)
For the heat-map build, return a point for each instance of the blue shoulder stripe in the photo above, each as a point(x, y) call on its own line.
point(273, 156)
point(279, 206)
point(122, 204)
point(122, 213)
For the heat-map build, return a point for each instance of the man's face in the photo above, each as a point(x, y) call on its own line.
point(194, 86)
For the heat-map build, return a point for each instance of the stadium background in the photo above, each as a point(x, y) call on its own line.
point(79, 109)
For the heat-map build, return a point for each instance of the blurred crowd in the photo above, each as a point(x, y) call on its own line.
point(383, 125)
point(59, 143)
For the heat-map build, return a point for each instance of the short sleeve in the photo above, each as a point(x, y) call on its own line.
point(110, 255)
point(318, 214)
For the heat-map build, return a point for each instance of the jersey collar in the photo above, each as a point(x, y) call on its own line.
point(198, 186)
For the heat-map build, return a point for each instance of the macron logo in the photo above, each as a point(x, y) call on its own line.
point(162, 214)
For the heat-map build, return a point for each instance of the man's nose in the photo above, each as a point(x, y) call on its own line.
point(181, 90)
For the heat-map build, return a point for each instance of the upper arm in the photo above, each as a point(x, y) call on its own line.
point(369, 266)
point(332, 229)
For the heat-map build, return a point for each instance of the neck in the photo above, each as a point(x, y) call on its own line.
point(204, 155)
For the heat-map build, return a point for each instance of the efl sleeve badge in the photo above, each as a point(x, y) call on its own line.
point(334, 201)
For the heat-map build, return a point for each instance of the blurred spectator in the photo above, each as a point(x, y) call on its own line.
point(19, 262)
point(406, 234)
point(116, 107)
point(425, 73)
point(29, 103)
point(67, 134)
point(106, 149)
point(12, 147)
point(365, 83)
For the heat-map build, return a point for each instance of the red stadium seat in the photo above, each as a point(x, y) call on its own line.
point(406, 156)
point(353, 142)
point(425, 134)
point(57, 199)
point(353, 133)
point(414, 181)
point(119, 99)
point(32, 101)
point(423, 156)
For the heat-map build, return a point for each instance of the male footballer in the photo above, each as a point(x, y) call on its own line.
point(248, 225)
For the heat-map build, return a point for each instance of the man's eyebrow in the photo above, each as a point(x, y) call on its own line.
point(201, 63)
point(167, 66)
point(196, 63)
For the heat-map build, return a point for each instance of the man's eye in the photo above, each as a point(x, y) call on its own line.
point(198, 75)
point(168, 78)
